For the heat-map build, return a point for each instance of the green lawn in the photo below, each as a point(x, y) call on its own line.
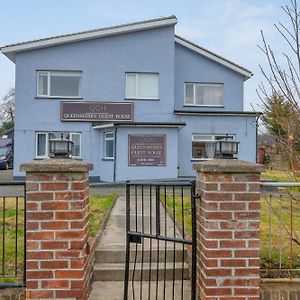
point(279, 236)
point(99, 207)
point(279, 175)
point(11, 259)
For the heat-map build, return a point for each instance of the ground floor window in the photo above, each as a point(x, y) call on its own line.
point(43, 138)
point(109, 141)
point(204, 145)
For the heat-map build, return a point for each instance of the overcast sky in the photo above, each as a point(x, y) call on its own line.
point(230, 28)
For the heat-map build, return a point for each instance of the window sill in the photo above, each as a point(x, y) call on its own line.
point(107, 159)
point(141, 99)
point(195, 105)
point(41, 158)
point(201, 159)
point(58, 98)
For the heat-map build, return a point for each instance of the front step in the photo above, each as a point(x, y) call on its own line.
point(117, 255)
point(113, 290)
point(116, 271)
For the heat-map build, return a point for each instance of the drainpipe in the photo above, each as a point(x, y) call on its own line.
point(115, 154)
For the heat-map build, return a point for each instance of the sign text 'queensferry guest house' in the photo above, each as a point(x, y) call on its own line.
point(84, 111)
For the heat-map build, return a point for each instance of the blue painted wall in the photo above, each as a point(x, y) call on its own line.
point(243, 128)
point(103, 63)
point(124, 171)
point(192, 67)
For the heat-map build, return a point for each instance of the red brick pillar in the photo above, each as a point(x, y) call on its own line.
point(57, 202)
point(228, 219)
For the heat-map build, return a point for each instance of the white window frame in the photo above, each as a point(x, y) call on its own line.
point(47, 143)
point(136, 97)
point(60, 73)
point(80, 144)
point(203, 84)
point(104, 144)
point(36, 144)
point(210, 138)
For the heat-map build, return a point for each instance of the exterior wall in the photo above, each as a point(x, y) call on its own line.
point(125, 172)
point(243, 127)
point(103, 63)
point(192, 67)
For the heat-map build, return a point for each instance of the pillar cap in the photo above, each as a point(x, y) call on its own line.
point(228, 166)
point(56, 166)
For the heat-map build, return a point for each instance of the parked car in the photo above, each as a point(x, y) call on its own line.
point(6, 153)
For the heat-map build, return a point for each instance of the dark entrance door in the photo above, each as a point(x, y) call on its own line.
point(161, 240)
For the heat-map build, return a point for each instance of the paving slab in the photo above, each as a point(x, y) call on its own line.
point(110, 254)
point(113, 290)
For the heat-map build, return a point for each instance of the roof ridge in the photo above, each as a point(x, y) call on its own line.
point(91, 31)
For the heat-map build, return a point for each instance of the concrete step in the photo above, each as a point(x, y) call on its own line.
point(117, 255)
point(116, 271)
point(113, 290)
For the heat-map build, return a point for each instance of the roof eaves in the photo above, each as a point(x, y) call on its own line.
point(217, 113)
point(213, 56)
point(11, 50)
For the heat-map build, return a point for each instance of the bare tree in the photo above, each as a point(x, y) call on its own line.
point(7, 108)
point(282, 78)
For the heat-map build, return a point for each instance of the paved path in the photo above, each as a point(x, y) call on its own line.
point(112, 248)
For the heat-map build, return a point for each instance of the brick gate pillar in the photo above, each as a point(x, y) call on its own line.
point(228, 219)
point(57, 229)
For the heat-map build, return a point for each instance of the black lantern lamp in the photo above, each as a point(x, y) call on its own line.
point(60, 148)
point(226, 148)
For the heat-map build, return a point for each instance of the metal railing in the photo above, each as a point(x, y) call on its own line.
point(156, 249)
point(12, 233)
point(280, 231)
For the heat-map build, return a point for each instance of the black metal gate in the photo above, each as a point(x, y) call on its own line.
point(12, 234)
point(161, 240)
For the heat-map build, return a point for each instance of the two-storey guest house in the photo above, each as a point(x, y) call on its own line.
point(136, 100)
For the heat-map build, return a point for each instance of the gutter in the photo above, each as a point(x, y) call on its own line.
point(216, 113)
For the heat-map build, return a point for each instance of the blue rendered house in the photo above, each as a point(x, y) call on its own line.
point(137, 101)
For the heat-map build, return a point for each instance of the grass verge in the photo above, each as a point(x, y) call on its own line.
point(12, 232)
point(277, 250)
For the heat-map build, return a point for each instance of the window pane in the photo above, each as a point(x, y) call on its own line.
point(203, 149)
point(61, 85)
point(131, 86)
point(148, 86)
point(55, 135)
point(109, 135)
point(202, 137)
point(213, 95)
point(199, 97)
point(189, 93)
point(109, 148)
point(75, 138)
point(41, 144)
point(43, 84)
point(198, 150)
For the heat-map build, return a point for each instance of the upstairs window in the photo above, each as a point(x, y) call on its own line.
point(66, 84)
point(204, 94)
point(43, 138)
point(142, 86)
point(204, 145)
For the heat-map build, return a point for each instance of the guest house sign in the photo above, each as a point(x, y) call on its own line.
point(147, 150)
point(96, 111)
